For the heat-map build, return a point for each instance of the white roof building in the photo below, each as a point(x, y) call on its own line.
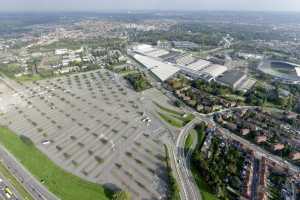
point(161, 70)
point(215, 70)
point(143, 48)
point(146, 61)
point(198, 65)
point(157, 53)
point(297, 71)
point(61, 51)
point(149, 50)
point(165, 71)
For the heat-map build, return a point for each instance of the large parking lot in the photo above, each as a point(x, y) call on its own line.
point(92, 125)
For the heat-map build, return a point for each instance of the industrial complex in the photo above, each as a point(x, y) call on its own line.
point(165, 63)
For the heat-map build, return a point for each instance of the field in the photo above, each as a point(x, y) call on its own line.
point(189, 140)
point(47, 172)
point(173, 117)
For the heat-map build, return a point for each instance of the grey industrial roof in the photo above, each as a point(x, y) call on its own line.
point(231, 77)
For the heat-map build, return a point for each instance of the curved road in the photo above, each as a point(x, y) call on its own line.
point(189, 187)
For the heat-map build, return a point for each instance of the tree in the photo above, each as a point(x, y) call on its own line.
point(177, 103)
point(121, 195)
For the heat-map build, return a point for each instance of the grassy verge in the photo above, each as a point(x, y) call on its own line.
point(190, 139)
point(186, 119)
point(63, 184)
point(174, 188)
point(233, 97)
point(168, 109)
point(14, 182)
point(125, 73)
point(171, 120)
point(173, 117)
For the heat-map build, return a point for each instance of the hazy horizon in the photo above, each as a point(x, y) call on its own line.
point(123, 5)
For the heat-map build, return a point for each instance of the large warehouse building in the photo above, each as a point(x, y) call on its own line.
point(149, 50)
point(161, 70)
point(164, 66)
point(237, 80)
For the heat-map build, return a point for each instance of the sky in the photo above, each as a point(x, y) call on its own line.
point(103, 5)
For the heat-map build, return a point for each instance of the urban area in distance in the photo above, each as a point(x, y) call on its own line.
point(151, 103)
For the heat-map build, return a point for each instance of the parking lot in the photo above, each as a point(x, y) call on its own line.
point(92, 125)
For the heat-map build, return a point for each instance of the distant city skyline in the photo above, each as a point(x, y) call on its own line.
point(102, 5)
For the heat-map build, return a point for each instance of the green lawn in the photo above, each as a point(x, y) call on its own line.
point(186, 119)
point(14, 182)
point(168, 109)
point(173, 117)
point(233, 97)
point(171, 120)
point(63, 184)
point(127, 72)
point(190, 139)
point(29, 78)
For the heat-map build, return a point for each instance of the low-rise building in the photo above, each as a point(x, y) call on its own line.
point(245, 131)
point(185, 45)
point(261, 139)
point(295, 156)
point(278, 147)
point(232, 78)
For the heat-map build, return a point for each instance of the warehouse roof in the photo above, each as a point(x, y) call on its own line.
point(198, 65)
point(231, 77)
point(297, 71)
point(162, 70)
point(215, 70)
point(147, 61)
point(143, 48)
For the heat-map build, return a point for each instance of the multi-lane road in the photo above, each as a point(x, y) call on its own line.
point(31, 184)
point(182, 162)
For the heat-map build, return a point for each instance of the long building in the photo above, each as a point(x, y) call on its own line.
point(236, 79)
point(161, 70)
point(185, 63)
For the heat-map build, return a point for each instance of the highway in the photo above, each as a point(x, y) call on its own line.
point(182, 162)
point(30, 183)
point(7, 192)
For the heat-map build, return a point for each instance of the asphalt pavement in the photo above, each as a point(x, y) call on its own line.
point(31, 184)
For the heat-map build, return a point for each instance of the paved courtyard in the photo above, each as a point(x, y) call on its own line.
point(92, 125)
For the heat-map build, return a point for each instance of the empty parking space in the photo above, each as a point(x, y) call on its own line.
point(91, 125)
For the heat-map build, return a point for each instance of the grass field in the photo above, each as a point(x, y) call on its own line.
point(63, 184)
point(233, 97)
point(168, 109)
point(190, 139)
point(172, 121)
point(175, 118)
point(14, 182)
